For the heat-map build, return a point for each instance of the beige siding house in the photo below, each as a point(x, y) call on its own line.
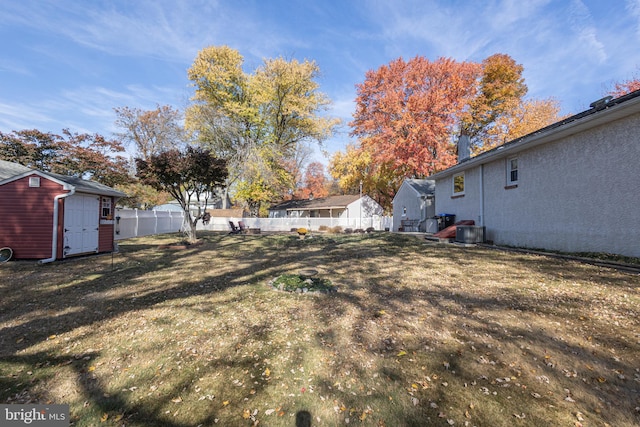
point(573, 186)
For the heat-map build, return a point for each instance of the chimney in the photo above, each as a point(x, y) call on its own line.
point(464, 148)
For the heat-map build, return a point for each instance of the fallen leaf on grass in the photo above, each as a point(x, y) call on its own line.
point(104, 417)
point(225, 403)
point(177, 400)
point(402, 353)
point(521, 416)
point(269, 411)
point(246, 414)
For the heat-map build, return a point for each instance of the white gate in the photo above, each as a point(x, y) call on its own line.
point(81, 222)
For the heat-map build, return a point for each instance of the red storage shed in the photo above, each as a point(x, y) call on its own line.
point(48, 216)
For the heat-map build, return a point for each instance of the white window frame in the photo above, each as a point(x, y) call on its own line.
point(510, 170)
point(453, 184)
point(106, 203)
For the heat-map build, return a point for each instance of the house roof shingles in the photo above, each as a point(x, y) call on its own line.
point(10, 171)
point(423, 186)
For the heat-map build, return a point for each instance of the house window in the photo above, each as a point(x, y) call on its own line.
point(106, 207)
point(458, 184)
point(512, 171)
point(34, 181)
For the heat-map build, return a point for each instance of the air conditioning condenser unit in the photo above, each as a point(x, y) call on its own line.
point(470, 234)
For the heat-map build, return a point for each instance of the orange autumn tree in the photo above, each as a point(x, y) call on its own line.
point(625, 87)
point(406, 113)
point(314, 182)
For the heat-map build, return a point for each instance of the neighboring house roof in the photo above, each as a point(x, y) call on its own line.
point(10, 171)
point(331, 202)
point(601, 112)
point(424, 187)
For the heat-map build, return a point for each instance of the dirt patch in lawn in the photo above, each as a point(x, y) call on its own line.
point(418, 334)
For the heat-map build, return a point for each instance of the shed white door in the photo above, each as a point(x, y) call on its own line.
point(81, 222)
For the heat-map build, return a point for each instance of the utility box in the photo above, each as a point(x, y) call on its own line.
point(432, 225)
point(470, 234)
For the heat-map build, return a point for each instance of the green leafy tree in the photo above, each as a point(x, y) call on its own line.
point(258, 122)
point(357, 166)
point(189, 175)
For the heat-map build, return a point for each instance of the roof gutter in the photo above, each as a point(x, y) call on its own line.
point(56, 215)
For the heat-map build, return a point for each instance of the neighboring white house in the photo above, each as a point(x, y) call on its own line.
point(214, 201)
point(573, 186)
point(413, 205)
point(343, 207)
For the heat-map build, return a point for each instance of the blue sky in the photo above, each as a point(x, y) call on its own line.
point(67, 64)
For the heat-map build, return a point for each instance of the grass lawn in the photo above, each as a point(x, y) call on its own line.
point(416, 334)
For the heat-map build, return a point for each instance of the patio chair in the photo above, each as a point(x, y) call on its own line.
point(234, 229)
point(243, 228)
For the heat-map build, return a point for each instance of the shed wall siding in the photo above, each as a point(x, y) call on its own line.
point(105, 238)
point(27, 217)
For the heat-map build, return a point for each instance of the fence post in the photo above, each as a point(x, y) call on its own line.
point(135, 226)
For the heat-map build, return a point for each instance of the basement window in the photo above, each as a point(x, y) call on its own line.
point(458, 184)
point(34, 181)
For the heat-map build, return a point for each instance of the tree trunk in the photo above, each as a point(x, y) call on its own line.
point(190, 229)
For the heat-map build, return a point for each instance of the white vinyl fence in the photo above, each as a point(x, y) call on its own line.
point(286, 224)
point(136, 223)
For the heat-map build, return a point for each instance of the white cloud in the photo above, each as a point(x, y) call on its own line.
point(633, 6)
point(583, 25)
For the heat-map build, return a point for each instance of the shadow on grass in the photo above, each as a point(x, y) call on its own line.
point(64, 297)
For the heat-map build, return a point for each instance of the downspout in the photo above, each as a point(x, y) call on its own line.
point(481, 219)
point(423, 211)
point(56, 215)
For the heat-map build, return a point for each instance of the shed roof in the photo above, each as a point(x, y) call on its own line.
point(330, 202)
point(10, 171)
point(601, 112)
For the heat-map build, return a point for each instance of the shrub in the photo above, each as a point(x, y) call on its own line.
point(302, 284)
